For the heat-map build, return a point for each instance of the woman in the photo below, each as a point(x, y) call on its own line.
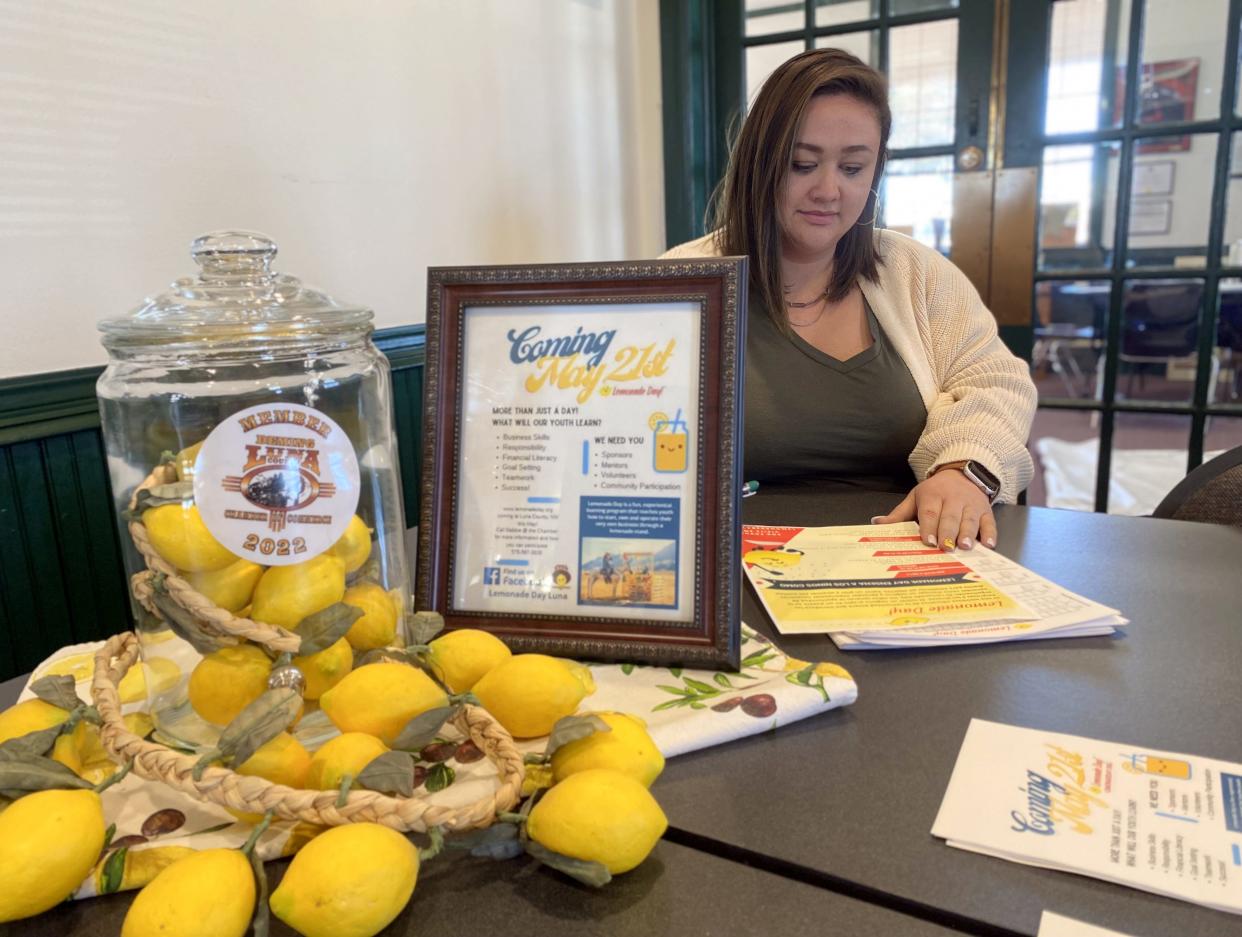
point(869, 356)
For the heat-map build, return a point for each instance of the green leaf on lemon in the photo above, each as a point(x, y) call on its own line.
point(595, 874)
point(325, 627)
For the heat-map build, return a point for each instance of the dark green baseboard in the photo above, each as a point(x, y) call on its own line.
point(61, 576)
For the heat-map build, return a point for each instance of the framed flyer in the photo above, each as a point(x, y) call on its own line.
point(581, 457)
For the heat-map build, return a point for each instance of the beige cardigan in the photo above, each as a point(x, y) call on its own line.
point(980, 398)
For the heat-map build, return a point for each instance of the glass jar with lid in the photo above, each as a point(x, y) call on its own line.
point(249, 433)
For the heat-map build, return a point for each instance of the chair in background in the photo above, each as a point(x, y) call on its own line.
point(1070, 322)
point(1229, 333)
point(1212, 493)
point(1160, 324)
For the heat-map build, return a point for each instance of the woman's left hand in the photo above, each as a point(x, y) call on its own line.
point(951, 510)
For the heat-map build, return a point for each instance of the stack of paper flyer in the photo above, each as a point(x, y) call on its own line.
point(872, 587)
point(1163, 822)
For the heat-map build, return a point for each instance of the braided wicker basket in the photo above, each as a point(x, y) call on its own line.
point(253, 794)
point(256, 795)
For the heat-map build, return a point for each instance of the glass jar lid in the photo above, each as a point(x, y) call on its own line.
point(236, 298)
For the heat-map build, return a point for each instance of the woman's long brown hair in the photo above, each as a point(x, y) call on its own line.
point(744, 205)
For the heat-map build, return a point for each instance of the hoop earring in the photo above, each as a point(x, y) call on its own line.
point(875, 209)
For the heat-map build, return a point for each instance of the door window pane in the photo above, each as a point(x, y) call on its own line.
point(1159, 339)
point(1086, 65)
point(923, 83)
point(1171, 197)
point(899, 7)
point(764, 17)
point(1078, 189)
point(1070, 332)
point(863, 44)
point(1231, 243)
point(1065, 445)
point(1221, 434)
point(1183, 60)
point(762, 61)
point(836, 12)
point(917, 200)
point(1150, 453)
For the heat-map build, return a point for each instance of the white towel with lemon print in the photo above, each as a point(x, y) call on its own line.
point(684, 710)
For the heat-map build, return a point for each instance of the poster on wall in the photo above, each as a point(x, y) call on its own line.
point(1166, 95)
point(580, 471)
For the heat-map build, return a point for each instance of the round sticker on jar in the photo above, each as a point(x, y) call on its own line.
point(277, 483)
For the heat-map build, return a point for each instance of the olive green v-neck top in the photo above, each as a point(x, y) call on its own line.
point(811, 417)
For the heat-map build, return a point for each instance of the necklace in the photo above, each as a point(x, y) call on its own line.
point(793, 304)
point(810, 302)
point(806, 325)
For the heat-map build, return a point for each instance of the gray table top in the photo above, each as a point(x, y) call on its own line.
point(848, 798)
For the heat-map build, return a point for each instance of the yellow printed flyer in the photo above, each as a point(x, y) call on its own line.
point(1163, 822)
point(579, 460)
point(829, 579)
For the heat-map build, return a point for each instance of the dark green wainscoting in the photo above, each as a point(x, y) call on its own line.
point(61, 576)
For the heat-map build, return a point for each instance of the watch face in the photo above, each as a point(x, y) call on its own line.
point(983, 476)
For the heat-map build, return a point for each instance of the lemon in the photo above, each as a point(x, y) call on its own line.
point(281, 760)
point(160, 672)
point(33, 715)
point(142, 865)
point(378, 625)
point(141, 724)
point(627, 749)
point(528, 692)
point(301, 834)
point(49, 841)
point(208, 894)
point(66, 748)
point(179, 535)
point(345, 754)
point(380, 699)
point(231, 587)
point(599, 816)
point(228, 680)
point(537, 778)
point(325, 669)
point(82, 752)
point(350, 881)
point(354, 547)
point(582, 673)
point(287, 594)
point(186, 459)
point(461, 658)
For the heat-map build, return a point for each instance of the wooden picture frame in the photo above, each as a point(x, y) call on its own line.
point(582, 455)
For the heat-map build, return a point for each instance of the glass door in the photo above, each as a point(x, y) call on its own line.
point(1131, 124)
point(937, 55)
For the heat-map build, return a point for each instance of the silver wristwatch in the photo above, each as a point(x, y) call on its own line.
point(978, 473)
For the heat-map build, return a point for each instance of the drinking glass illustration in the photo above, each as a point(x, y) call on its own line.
point(672, 442)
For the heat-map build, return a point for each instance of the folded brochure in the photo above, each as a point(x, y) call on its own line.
point(1164, 822)
point(882, 587)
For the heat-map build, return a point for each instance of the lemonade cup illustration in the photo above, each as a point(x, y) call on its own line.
point(1151, 764)
point(672, 443)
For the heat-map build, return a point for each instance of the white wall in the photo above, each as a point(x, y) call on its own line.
point(371, 140)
